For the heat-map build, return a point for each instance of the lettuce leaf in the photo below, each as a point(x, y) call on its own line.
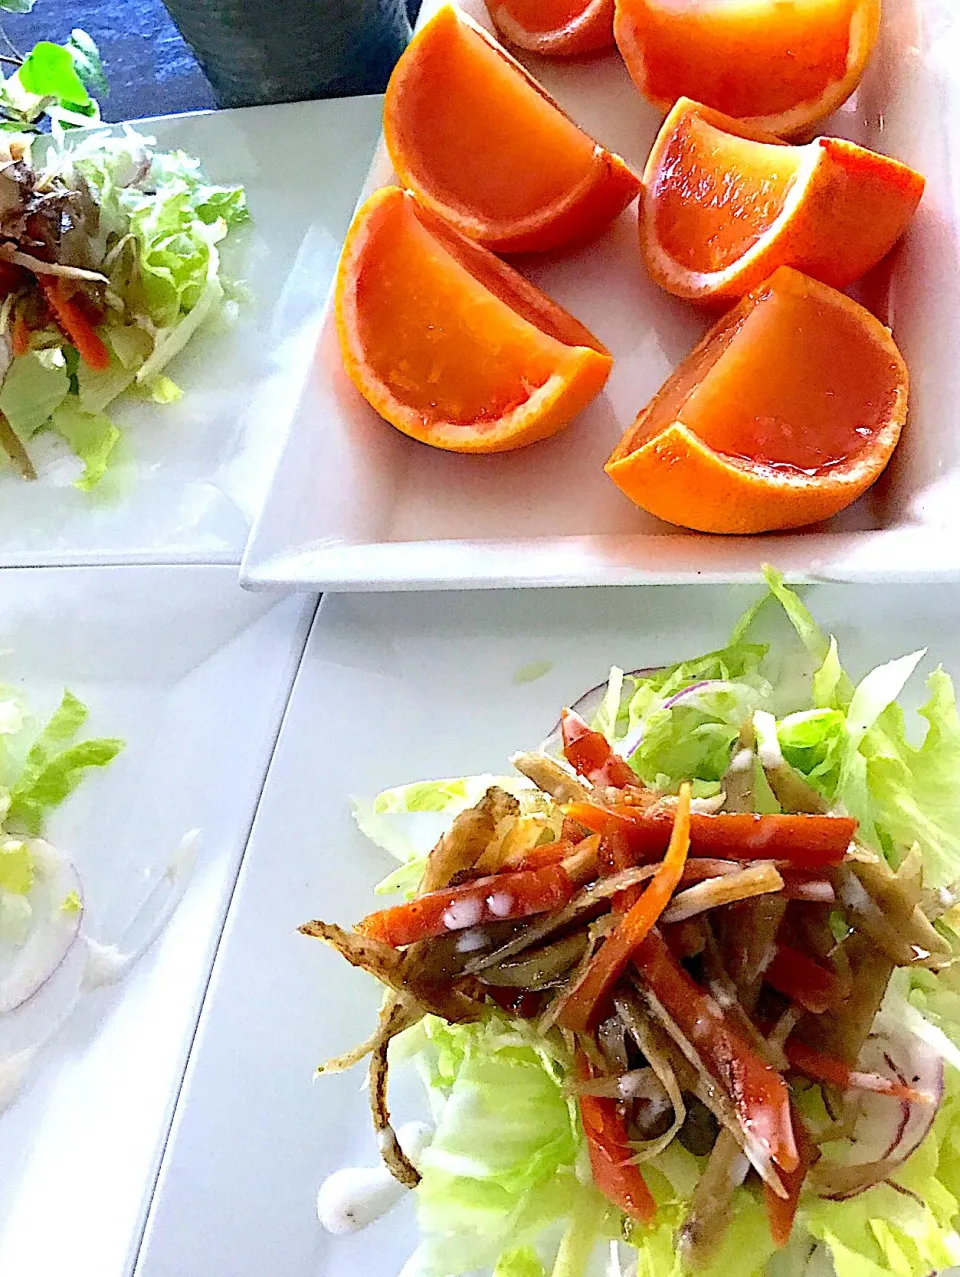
point(523, 1262)
point(481, 1196)
point(35, 385)
point(159, 223)
point(16, 868)
point(694, 739)
point(910, 1233)
point(854, 748)
point(746, 1246)
point(55, 764)
point(91, 435)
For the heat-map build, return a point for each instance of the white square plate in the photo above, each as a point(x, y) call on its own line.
point(394, 690)
point(357, 505)
point(194, 675)
point(200, 467)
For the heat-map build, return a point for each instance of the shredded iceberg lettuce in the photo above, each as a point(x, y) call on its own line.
point(155, 234)
point(505, 1184)
point(38, 770)
point(54, 764)
point(482, 1196)
point(16, 867)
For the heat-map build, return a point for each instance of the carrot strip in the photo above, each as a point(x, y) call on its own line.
point(804, 841)
point(802, 980)
point(552, 853)
point(20, 336)
point(491, 899)
point(76, 327)
point(611, 1155)
point(757, 1090)
point(589, 753)
point(616, 951)
point(826, 1068)
point(782, 1211)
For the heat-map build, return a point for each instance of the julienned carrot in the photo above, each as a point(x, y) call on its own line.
point(495, 898)
point(633, 928)
point(589, 753)
point(19, 336)
point(757, 1091)
point(805, 841)
point(76, 327)
point(552, 853)
point(782, 1211)
point(802, 980)
point(611, 1154)
point(826, 1068)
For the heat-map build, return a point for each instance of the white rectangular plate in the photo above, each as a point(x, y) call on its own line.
point(395, 690)
point(356, 505)
point(199, 468)
point(194, 675)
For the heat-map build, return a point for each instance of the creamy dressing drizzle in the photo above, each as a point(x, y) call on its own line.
point(356, 1196)
point(105, 964)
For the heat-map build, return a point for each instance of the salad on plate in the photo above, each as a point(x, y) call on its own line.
point(41, 896)
point(48, 959)
point(109, 265)
point(682, 989)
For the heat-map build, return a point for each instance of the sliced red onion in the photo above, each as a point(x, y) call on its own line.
point(588, 704)
point(886, 1132)
point(630, 744)
point(688, 691)
point(27, 968)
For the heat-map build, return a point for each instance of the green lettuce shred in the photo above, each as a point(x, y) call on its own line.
point(54, 766)
point(157, 235)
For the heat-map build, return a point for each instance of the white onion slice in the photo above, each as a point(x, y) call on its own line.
point(28, 967)
point(887, 1132)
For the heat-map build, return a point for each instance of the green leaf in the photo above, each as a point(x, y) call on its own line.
point(524, 1262)
point(86, 58)
point(57, 780)
point(49, 773)
point(482, 1196)
point(36, 385)
point(92, 436)
point(69, 716)
point(809, 632)
point(16, 868)
point(162, 390)
point(17, 6)
point(49, 71)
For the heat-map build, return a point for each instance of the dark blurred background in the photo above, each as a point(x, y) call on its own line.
point(151, 69)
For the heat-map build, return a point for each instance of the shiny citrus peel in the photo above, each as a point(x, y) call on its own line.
point(481, 144)
point(724, 205)
point(555, 28)
point(781, 67)
point(448, 343)
point(783, 415)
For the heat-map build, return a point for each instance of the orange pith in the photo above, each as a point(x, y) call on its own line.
point(780, 66)
point(555, 28)
point(724, 205)
point(783, 415)
point(448, 343)
point(479, 142)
